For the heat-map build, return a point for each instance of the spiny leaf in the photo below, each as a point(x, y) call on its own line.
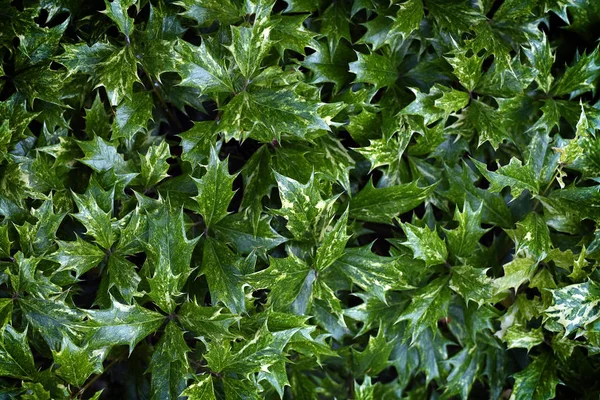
point(538, 381)
point(471, 283)
point(291, 283)
point(169, 255)
point(375, 69)
point(374, 357)
point(462, 241)
point(119, 325)
point(132, 115)
point(575, 306)
point(16, 360)
point(97, 221)
point(425, 244)
point(428, 305)
point(579, 77)
point(78, 255)
point(169, 365)
point(202, 389)
point(516, 175)
point(333, 244)
point(117, 11)
point(303, 207)
point(201, 69)
point(373, 273)
point(382, 205)
point(266, 114)
point(76, 364)
point(220, 265)
point(214, 190)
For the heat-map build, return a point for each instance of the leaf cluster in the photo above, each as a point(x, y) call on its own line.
point(299, 199)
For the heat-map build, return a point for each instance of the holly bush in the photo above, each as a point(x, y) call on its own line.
point(299, 199)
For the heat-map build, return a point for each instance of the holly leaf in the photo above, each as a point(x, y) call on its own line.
point(375, 69)
point(212, 322)
point(226, 12)
point(428, 305)
point(333, 244)
point(516, 175)
point(472, 284)
point(76, 364)
point(132, 115)
point(169, 254)
point(169, 365)
point(239, 231)
point(16, 360)
point(97, 221)
point(116, 10)
point(101, 156)
point(202, 389)
point(249, 46)
point(288, 32)
point(220, 265)
point(408, 18)
point(50, 318)
point(382, 205)
point(302, 206)
point(541, 57)
point(120, 324)
point(538, 381)
point(201, 69)
point(463, 240)
point(465, 367)
point(374, 358)
point(488, 122)
point(214, 190)
point(154, 165)
point(532, 237)
point(575, 306)
point(266, 114)
point(328, 66)
point(375, 274)
point(78, 255)
point(291, 283)
point(335, 25)
point(117, 74)
point(384, 151)
point(579, 77)
point(425, 244)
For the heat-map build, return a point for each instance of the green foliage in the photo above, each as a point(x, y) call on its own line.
point(299, 199)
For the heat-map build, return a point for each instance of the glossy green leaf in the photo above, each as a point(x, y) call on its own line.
point(538, 380)
point(382, 205)
point(214, 190)
point(132, 115)
point(120, 324)
point(428, 305)
point(425, 244)
point(169, 365)
point(16, 360)
point(302, 206)
point(97, 221)
point(202, 389)
point(220, 265)
point(76, 364)
point(376, 69)
point(575, 306)
point(169, 255)
point(463, 240)
point(79, 256)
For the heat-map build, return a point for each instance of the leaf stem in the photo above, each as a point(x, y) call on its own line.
point(94, 379)
point(543, 193)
